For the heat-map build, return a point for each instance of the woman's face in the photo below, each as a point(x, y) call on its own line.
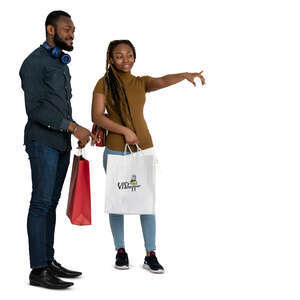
point(122, 58)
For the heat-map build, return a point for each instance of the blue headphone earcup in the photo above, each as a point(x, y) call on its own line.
point(65, 58)
point(55, 52)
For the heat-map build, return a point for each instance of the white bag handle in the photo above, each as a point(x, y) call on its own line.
point(138, 152)
point(138, 147)
point(81, 152)
point(126, 148)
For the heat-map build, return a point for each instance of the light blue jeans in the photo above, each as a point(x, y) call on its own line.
point(117, 221)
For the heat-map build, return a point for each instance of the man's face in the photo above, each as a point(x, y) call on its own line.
point(64, 33)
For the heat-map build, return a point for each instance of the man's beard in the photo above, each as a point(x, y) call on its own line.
point(61, 44)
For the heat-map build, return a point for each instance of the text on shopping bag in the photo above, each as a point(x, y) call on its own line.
point(132, 184)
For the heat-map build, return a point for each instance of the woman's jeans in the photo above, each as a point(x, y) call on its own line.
point(117, 221)
point(48, 171)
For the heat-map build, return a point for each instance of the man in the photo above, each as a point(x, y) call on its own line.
point(46, 83)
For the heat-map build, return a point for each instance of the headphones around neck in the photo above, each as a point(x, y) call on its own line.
point(56, 52)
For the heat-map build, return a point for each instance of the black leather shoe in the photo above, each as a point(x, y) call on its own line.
point(58, 270)
point(47, 280)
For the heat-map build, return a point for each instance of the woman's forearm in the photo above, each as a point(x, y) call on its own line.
point(165, 81)
point(171, 79)
point(110, 125)
point(159, 83)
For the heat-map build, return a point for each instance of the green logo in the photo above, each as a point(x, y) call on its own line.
point(133, 180)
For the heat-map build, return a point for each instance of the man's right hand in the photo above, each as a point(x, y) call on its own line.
point(82, 134)
point(130, 137)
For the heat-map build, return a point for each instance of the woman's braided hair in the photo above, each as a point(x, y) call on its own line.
point(114, 85)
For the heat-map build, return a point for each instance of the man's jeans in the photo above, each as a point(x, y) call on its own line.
point(48, 171)
point(116, 221)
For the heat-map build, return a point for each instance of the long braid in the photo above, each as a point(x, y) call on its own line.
point(114, 86)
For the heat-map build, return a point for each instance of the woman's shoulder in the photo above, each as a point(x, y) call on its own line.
point(142, 80)
point(101, 79)
point(141, 77)
point(100, 85)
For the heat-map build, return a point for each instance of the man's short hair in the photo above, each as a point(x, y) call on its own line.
point(54, 16)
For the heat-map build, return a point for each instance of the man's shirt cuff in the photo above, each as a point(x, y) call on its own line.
point(64, 125)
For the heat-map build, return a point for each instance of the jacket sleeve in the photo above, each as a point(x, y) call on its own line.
point(38, 107)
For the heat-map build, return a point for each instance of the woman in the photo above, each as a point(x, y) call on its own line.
point(123, 95)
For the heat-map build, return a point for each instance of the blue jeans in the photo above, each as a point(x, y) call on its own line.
point(117, 221)
point(48, 171)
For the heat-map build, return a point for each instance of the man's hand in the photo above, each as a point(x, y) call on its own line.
point(82, 134)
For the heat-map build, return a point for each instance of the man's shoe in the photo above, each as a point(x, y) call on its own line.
point(122, 262)
point(44, 278)
point(58, 270)
point(151, 263)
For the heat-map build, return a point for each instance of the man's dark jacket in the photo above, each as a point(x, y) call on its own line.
point(47, 89)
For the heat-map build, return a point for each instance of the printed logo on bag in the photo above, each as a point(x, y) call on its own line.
point(132, 184)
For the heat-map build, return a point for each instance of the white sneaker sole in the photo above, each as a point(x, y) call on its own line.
point(121, 268)
point(160, 271)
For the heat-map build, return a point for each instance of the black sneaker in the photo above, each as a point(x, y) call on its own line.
point(122, 260)
point(151, 263)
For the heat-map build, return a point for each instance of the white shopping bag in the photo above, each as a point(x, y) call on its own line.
point(130, 183)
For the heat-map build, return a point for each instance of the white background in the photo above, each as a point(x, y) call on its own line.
point(228, 206)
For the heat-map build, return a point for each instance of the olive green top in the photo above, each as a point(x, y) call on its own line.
point(135, 88)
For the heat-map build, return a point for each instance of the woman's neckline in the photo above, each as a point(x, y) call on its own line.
point(124, 76)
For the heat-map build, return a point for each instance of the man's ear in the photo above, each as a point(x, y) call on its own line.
point(111, 61)
point(50, 30)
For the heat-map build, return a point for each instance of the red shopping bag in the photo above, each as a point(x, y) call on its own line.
point(79, 203)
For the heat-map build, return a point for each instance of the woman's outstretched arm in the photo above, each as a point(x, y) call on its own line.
point(154, 84)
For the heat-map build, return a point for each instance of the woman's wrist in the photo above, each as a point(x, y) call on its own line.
point(185, 75)
point(124, 130)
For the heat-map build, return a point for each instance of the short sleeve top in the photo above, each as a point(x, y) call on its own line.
point(135, 88)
